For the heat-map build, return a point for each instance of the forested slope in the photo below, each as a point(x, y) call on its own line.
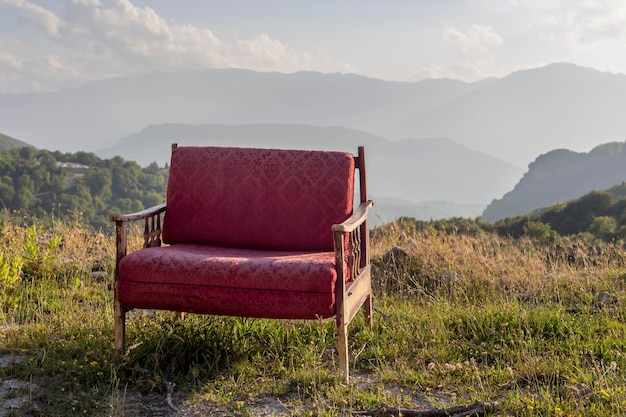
point(80, 185)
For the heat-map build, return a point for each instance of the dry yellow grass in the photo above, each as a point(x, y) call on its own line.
point(516, 267)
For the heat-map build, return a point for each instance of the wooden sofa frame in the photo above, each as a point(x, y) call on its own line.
point(352, 263)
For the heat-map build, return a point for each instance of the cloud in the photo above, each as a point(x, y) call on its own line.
point(18, 75)
point(9, 61)
point(476, 62)
point(132, 36)
point(592, 20)
point(94, 39)
point(261, 52)
point(580, 22)
point(36, 16)
point(477, 39)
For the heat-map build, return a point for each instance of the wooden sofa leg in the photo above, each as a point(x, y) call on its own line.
point(119, 319)
point(342, 339)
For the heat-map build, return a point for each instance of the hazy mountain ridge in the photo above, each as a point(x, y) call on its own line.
point(100, 112)
point(562, 175)
point(515, 118)
point(531, 112)
point(422, 178)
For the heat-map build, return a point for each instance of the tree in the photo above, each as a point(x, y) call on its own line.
point(7, 192)
point(99, 182)
point(603, 227)
point(540, 231)
point(34, 183)
point(25, 192)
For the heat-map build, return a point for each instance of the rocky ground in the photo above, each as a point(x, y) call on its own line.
point(14, 393)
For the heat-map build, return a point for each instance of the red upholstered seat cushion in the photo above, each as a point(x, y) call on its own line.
point(257, 198)
point(229, 281)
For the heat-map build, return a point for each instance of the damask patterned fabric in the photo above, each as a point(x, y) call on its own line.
point(227, 301)
point(257, 198)
point(229, 281)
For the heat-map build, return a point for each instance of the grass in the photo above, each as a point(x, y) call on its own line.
point(458, 319)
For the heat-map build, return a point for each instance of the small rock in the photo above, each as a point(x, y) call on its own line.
point(9, 360)
point(98, 266)
point(578, 391)
point(449, 277)
point(398, 251)
point(99, 274)
point(606, 298)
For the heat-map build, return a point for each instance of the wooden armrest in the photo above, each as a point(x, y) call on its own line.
point(151, 234)
point(140, 215)
point(358, 217)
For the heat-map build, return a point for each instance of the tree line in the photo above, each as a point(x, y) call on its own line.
point(48, 185)
point(597, 215)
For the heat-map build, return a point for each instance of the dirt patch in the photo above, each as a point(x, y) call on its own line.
point(155, 405)
point(17, 397)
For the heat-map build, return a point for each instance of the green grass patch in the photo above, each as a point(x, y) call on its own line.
point(458, 319)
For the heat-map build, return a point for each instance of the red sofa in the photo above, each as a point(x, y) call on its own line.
point(254, 233)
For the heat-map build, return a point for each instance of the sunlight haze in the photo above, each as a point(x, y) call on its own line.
point(53, 44)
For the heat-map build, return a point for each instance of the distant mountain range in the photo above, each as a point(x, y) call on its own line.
point(561, 175)
point(421, 178)
point(532, 112)
point(438, 148)
point(515, 118)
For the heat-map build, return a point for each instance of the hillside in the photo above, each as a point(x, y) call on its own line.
point(51, 185)
point(7, 143)
point(561, 175)
point(515, 118)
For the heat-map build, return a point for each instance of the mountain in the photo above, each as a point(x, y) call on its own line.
point(515, 118)
point(532, 112)
point(561, 175)
point(386, 210)
point(98, 113)
point(8, 143)
point(420, 178)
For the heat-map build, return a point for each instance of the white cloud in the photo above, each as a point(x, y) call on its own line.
point(478, 39)
point(579, 22)
point(140, 36)
point(37, 16)
point(264, 53)
point(592, 20)
point(477, 44)
point(19, 75)
point(118, 38)
point(9, 61)
point(131, 37)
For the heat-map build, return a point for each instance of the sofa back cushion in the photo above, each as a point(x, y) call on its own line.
point(257, 198)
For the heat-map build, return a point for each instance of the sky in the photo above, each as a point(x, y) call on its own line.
point(47, 45)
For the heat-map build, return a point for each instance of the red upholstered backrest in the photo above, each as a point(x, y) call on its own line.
point(257, 198)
